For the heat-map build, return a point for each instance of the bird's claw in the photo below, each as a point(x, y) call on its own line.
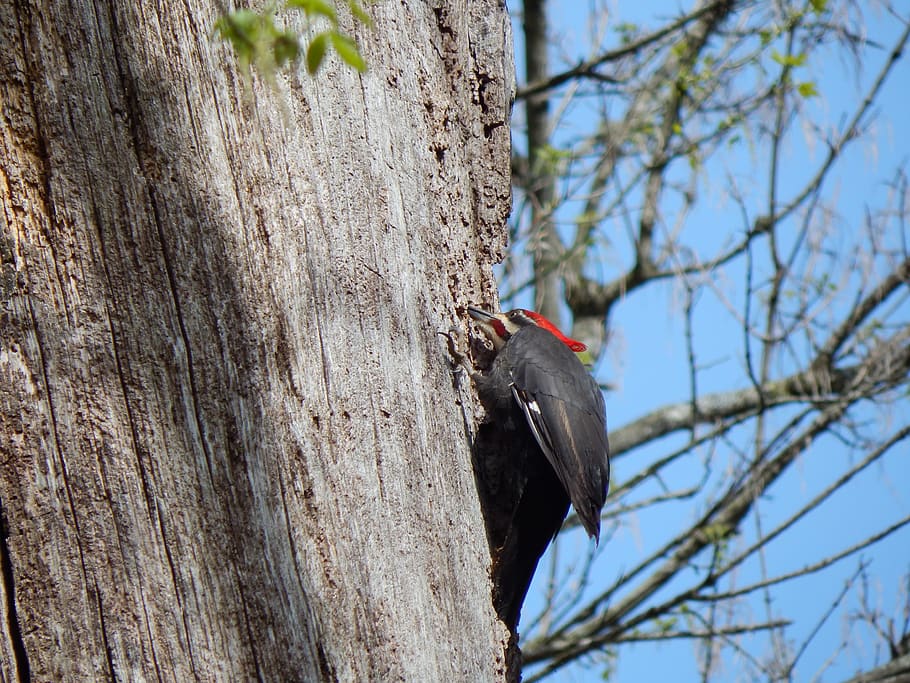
point(458, 359)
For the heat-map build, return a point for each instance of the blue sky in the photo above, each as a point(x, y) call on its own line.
point(647, 363)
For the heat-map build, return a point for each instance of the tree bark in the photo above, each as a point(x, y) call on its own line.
point(232, 447)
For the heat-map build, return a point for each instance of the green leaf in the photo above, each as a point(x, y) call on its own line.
point(818, 6)
point(258, 42)
point(807, 89)
point(586, 359)
point(788, 60)
point(237, 22)
point(587, 218)
point(250, 34)
point(240, 28)
point(666, 624)
point(285, 48)
point(347, 50)
point(717, 532)
point(552, 155)
point(766, 37)
point(359, 13)
point(316, 52)
point(318, 8)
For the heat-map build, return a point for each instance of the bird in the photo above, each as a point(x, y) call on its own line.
point(543, 446)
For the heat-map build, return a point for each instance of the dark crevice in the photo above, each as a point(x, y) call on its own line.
point(20, 654)
point(177, 591)
point(326, 670)
point(250, 632)
point(41, 149)
point(108, 653)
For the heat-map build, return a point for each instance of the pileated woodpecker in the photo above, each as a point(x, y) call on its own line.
point(544, 446)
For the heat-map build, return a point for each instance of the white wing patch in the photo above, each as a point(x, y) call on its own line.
point(534, 416)
point(535, 421)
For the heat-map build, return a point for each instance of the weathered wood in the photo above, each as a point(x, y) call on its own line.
point(231, 445)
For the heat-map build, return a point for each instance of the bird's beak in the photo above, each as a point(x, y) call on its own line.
point(489, 322)
point(480, 315)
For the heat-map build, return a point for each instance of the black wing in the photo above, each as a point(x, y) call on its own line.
point(565, 410)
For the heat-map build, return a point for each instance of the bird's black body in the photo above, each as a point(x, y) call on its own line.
point(544, 447)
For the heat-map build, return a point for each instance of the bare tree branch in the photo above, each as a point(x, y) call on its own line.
point(596, 629)
point(811, 385)
point(895, 671)
point(813, 298)
point(588, 68)
point(723, 631)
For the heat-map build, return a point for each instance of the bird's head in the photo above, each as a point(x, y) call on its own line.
point(500, 326)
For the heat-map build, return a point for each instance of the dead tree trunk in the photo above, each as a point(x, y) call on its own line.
point(231, 445)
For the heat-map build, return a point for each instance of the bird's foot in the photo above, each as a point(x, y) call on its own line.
point(458, 360)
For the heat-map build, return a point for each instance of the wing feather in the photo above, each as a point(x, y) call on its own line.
point(565, 410)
